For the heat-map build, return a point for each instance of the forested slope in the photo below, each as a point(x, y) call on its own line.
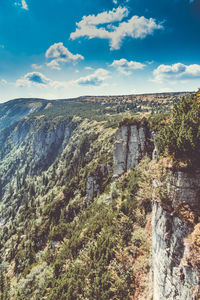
point(76, 201)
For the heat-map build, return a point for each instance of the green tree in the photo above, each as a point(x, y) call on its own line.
point(181, 137)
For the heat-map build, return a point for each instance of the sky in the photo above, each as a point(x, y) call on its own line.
point(62, 49)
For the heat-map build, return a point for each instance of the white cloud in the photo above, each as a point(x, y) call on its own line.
point(176, 71)
point(59, 54)
point(125, 67)
point(22, 4)
point(136, 27)
point(3, 82)
point(115, 15)
point(33, 78)
point(36, 67)
point(40, 80)
point(55, 64)
point(116, 1)
point(94, 79)
point(37, 79)
point(89, 68)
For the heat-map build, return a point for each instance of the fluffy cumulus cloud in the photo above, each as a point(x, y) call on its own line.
point(59, 54)
point(135, 27)
point(40, 80)
point(94, 79)
point(115, 15)
point(125, 67)
point(33, 78)
point(22, 4)
point(176, 71)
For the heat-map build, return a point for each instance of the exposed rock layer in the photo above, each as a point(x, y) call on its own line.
point(94, 181)
point(31, 147)
point(131, 144)
point(173, 276)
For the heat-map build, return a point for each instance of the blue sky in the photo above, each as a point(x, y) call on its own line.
point(60, 49)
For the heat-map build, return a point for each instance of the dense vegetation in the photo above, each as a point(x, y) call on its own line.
point(68, 228)
point(59, 243)
point(180, 138)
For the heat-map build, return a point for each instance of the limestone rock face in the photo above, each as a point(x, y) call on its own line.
point(173, 276)
point(91, 187)
point(131, 144)
point(120, 150)
point(46, 143)
point(94, 181)
point(31, 146)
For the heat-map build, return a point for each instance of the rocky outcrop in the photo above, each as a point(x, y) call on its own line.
point(155, 154)
point(95, 180)
point(132, 143)
point(47, 143)
point(31, 146)
point(92, 186)
point(175, 212)
point(173, 220)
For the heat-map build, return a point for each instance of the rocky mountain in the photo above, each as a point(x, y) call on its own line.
point(89, 210)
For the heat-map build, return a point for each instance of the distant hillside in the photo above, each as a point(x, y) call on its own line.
point(17, 109)
point(93, 107)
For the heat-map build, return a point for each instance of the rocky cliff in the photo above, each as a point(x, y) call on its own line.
point(175, 211)
point(94, 181)
point(30, 146)
point(48, 142)
point(175, 277)
point(132, 143)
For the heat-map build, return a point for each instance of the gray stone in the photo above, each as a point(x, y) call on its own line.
point(120, 150)
point(131, 145)
point(94, 181)
point(91, 187)
point(172, 278)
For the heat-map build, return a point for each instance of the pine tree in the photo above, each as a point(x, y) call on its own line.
point(181, 138)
